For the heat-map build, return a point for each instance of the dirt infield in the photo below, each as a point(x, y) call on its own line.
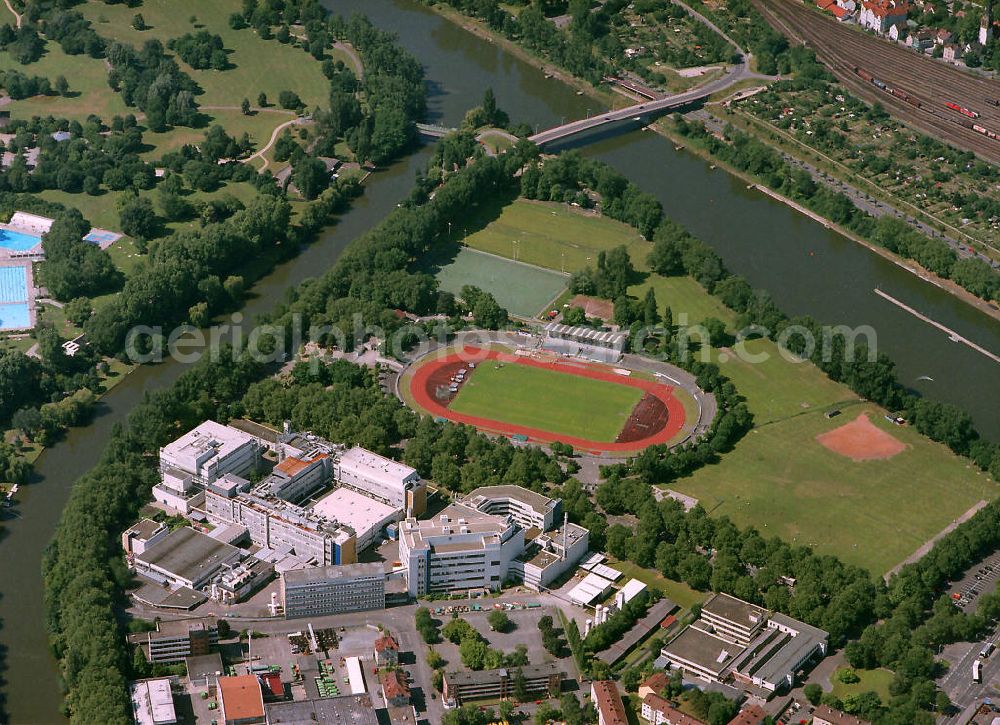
point(657, 418)
point(649, 416)
point(860, 440)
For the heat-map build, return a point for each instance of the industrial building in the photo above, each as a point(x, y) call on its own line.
point(345, 710)
point(186, 558)
point(461, 549)
point(241, 700)
point(153, 702)
point(383, 479)
point(745, 645)
point(326, 590)
point(462, 686)
point(143, 534)
point(274, 523)
point(527, 508)
point(173, 641)
point(549, 555)
point(200, 457)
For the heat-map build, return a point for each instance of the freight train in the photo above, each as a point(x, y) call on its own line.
point(901, 95)
point(961, 109)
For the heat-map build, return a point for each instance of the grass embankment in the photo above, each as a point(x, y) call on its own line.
point(872, 513)
point(553, 401)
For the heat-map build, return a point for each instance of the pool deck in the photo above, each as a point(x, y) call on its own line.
point(34, 254)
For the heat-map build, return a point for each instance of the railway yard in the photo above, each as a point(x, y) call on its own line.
point(938, 99)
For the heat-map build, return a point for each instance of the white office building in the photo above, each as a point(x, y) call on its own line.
point(526, 507)
point(382, 478)
point(153, 702)
point(326, 590)
point(459, 550)
point(198, 458)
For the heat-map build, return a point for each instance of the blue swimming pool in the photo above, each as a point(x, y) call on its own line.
point(15, 316)
point(17, 241)
point(13, 284)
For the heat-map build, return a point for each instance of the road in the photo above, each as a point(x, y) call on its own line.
point(959, 685)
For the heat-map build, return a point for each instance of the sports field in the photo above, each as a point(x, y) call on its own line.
point(873, 513)
point(553, 401)
point(556, 236)
point(522, 289)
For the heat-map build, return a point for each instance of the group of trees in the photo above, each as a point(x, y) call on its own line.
point(152, 81)
point(24, 44)
point(475, 650)
point(201, 50)
point(74, 268)
point(19, 85)
point(610, 280)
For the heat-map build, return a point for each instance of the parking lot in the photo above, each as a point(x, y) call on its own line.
point(978, 580)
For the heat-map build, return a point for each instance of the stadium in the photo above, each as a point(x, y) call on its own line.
point(535, 395)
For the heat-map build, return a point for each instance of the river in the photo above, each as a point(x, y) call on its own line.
point(807, 268)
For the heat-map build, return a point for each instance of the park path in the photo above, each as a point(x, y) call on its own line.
point(350, 52)
point(274, 137)
point(17, 16)
point(926, 547)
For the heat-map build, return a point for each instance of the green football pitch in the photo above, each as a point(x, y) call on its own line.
point(560, 403)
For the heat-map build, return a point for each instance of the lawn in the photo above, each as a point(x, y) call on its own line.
point(521, 288)
point(680, 593)
point(873, 513)
point(557, 402)
point(557, 236)
point(871, 681)
point(685, 297)
point(255, 65)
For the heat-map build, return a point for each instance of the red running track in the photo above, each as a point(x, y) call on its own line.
point(423, 396)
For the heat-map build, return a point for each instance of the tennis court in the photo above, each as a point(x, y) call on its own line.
point(18, 241)
point(522, 289)
point(102, 237)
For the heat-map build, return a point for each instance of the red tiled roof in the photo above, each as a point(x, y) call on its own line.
point(838, 12)
point(825, 4)
point(273, 682)
point(609, 703)
point(672, 714)
point(752, 715)
point(290, 466)
point(394, 684)
point(827, 713)
point(668, 621)
point(241, 697)
point(386, 642)
point(657, 681)
point(884, 8)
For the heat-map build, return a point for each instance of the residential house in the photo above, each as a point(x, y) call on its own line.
point(880, 15)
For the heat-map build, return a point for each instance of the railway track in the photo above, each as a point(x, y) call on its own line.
point(930, 83)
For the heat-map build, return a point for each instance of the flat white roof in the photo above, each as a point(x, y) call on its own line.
point(355, 675)
point(384, 470)
point(632, 589)
point(607, 572)
point(590, 588)
point(591, 561)
point(193, 445)
point(353, 509)
point(152, 702)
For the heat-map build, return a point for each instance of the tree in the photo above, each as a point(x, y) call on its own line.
point(434, 660)
point(78, 310)
point(62, 85)
point(498, 620)
point(289, 100)
point(813, 693)
point(520, 686)
point(262, 100)
point(310, 176)
point(136, 217)
point(138, 22)
point(245, 107)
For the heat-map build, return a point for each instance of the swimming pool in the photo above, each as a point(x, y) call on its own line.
point(15, 316)
point(13, 284)
point(17, 241)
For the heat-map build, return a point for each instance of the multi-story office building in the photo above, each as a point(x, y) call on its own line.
point(333, 590)
point(462, 686)
point(460, 549)
point(274, 523)
point(175, 640)
point(198, 458)
point(528, 508)
point(547, 556)
point(383, 479)
point(733, 619)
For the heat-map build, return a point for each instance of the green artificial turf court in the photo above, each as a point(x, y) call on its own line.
point(520, 288)
point(556, 402)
